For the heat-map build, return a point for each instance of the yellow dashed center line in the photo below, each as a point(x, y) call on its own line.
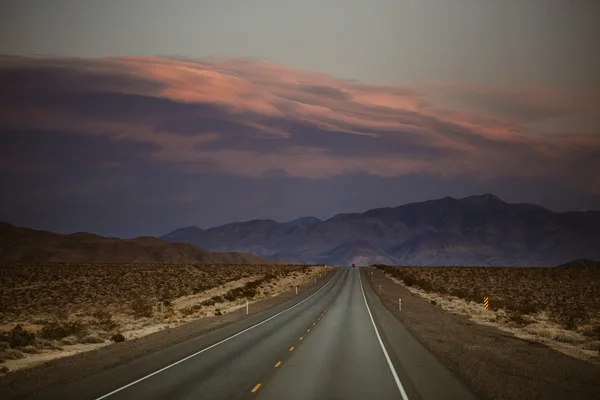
point(292, 348)
point(301, 337)
point(308, 330)
point(258, 385)
point(278, 364)
point(314, 323)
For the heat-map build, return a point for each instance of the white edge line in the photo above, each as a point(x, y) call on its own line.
point(387, 357)
point(215, 344)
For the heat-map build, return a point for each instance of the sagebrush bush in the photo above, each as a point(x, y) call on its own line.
point(93, 338)
point(117, 337)
point(18, 337)
point(141, 308)
point(61, 329)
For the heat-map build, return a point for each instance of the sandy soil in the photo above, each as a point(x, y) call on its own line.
point(539, 328)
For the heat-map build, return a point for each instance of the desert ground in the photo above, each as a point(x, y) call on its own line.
point(52, 310)
point(558, 307)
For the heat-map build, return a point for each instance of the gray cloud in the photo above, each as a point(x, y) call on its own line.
point(183, 139)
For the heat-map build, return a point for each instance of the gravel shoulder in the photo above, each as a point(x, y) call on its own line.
point(23, 383)
point(493, 363)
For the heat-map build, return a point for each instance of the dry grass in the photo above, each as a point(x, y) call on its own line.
point(58, 308)
point(556, 306)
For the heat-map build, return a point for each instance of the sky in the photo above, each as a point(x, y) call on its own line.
point(128, 118)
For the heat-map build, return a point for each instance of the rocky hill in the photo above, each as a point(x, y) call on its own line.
point(476, 230)
point(29, 245)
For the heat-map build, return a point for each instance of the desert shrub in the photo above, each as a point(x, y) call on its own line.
point(101, 314)
point(3, 369)
point(104, 320)
point(409, 281)
point(460, 293)
point(517, 318)
point(141, 308)
point(31, 350)
point(11, 354)
point(117, 338)
point(593, 332)
point(93, 338)
point(46, 344)
point(4, 345)
point(526, 307)
point(209, 302)
point(425, 285)
point(69, 340)
point(218, 312)
point(433, 302)
point(570, 319)
point(168, 314)
point(18, 337)
point(62, 329)
point(189, 310)
point(218, 299)
point(593, 345)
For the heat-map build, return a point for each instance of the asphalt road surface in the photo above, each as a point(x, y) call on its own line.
point(338, 343)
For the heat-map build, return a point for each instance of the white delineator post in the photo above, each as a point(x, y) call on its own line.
point(399, 304)
point(296, 289)
point(379, 288)
point(246, 306)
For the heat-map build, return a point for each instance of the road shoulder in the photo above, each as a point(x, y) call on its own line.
point(494, 364)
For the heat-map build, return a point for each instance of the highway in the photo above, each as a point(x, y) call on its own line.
point(337, 343)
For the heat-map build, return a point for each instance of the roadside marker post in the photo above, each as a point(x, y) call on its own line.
point(380, 289)
point(486, 302)
point(399, 304)
point(296, 289)
point(246, 306)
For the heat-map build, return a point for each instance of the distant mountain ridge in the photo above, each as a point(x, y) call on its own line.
point(303, 221)
point(28, 245)
point(475, 230)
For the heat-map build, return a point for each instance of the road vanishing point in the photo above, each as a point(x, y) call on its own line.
point(338, 342)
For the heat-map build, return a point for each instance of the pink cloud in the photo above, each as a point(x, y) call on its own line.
point(478, 130)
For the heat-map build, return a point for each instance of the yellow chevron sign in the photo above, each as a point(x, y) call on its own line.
point(486, 302)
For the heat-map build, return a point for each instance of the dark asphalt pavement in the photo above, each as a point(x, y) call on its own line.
point(329, 346)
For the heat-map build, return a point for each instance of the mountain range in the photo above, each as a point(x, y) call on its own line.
point(476, 230)
point(28, 245)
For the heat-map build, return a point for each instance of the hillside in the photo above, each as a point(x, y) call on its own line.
point(29, 245)
point(476, 230)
